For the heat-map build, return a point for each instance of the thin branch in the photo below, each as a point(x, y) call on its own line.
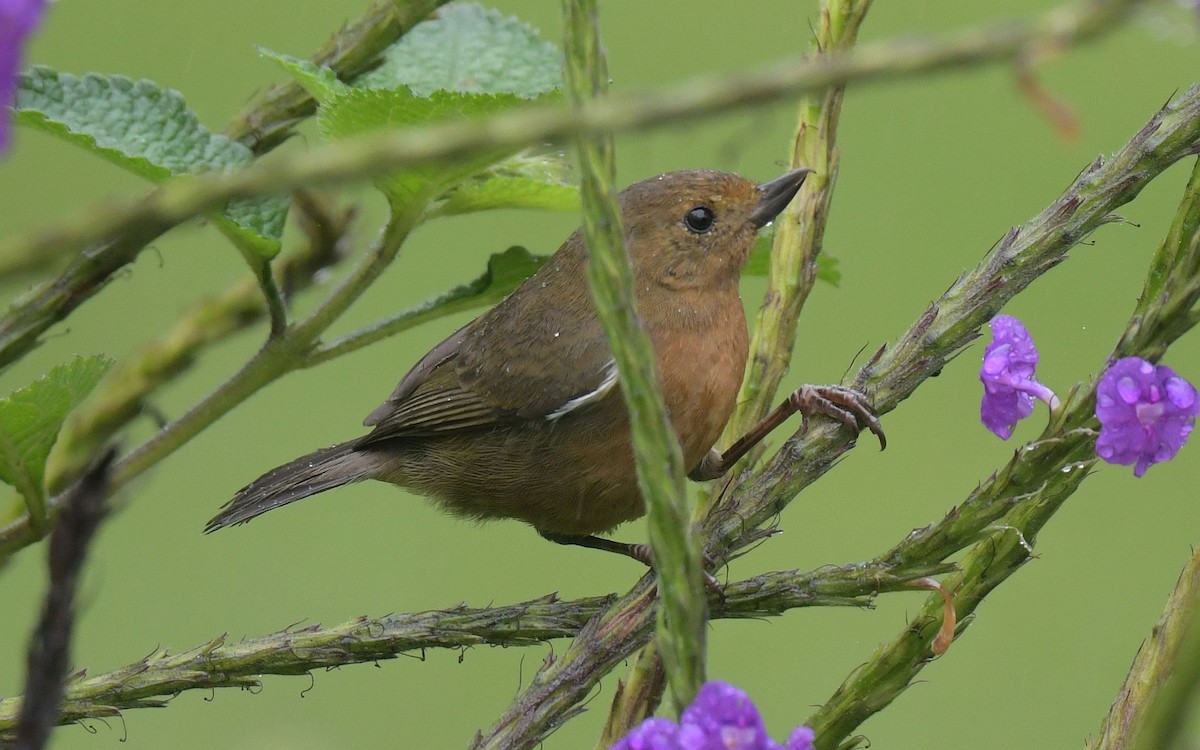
point(126, 226)
point(1055, 465)
point(123, 394)
point(1172, 134)
point(271, 116)
point(50, 647)
point(954, 320)
point(263, 124)
point(220, 663)
point(276, 358)
point(28, 316)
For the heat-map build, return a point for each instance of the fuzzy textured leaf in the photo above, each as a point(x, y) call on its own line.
point(319, 81)
point(151, 132)
point(472, 49)
point(30, 420)
point(468, 63)
point(536, 181)
point(358, 110)
point(759, 263)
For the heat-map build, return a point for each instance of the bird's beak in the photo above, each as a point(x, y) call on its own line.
point(776, 194)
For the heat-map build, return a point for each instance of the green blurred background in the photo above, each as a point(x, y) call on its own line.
point(933, 172)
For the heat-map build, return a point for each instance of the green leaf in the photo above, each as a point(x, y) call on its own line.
point(469, 48)
point(149, 131)
point(319, 81)
point(30, 420)
point(505, 272)
point(523, 181)
point(358, 110)
point(759, 263)
point(468, 63)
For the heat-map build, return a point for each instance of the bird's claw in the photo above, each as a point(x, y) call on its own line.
point(645, 555)
point(848, 406)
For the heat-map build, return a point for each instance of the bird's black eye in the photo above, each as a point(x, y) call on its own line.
point(700, 219)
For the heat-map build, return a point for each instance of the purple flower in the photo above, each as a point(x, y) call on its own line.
point(722, 717)
point(18, 19)
point(1146, 413)
point(1009, 387)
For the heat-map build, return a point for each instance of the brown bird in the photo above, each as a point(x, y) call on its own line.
point(518, 414)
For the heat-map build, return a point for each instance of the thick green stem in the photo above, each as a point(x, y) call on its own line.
point(799, 231)
point(1159, 688)
point(659, 461)
point(1157, 693)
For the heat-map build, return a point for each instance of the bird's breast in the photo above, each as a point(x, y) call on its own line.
point(701, 368)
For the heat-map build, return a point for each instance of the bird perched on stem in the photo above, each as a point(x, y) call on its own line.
point(518, 414)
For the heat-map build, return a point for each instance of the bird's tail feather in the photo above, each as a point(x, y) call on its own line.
point(318, 471)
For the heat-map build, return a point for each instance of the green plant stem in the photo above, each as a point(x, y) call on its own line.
point(636, 698)
point(219, 663)
point(1171, 708)
point(124, 223)
point(892, 668)
point(124, 393)
point(954, 320)
point(1160, 684)
point(658, 458)
point(494, 285)
point(1172, 134)
point(276, 358)
point(399, 323)
point(264, 123)
point(272, 115)
point(28, 317)
point(260, 268)
point(1006, 511)
point(799, 232)
point(1162, 681)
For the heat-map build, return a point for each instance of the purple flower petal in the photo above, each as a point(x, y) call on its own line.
point(721, 717)
point(652, 734)
point(725, 713)
point(1009, 386)
point(1146, 413)
point(801, 739)
point(18, 19)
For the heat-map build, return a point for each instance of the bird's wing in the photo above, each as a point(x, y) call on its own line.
point(504, 367)
point(416, 376)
